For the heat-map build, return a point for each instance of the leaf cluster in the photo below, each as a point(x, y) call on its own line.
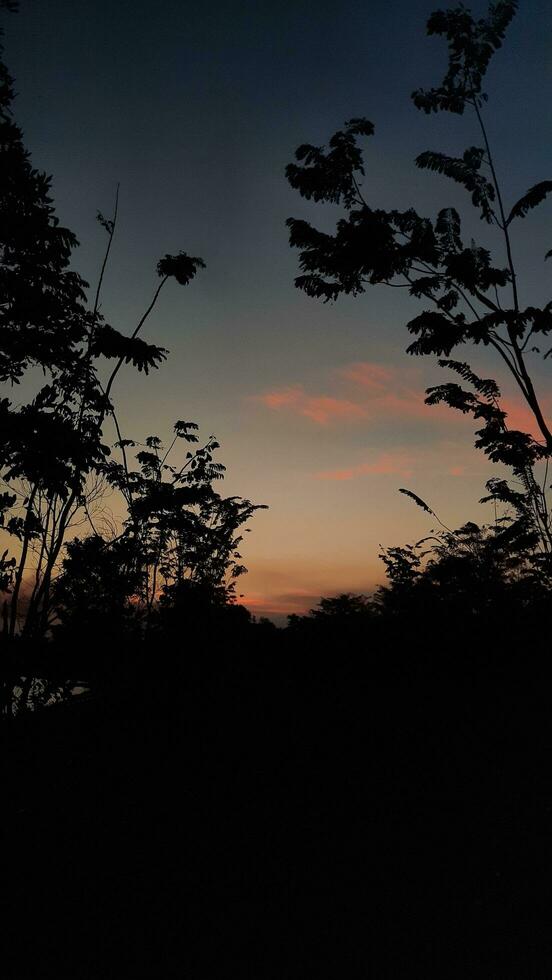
point(181, 267)
point(329, 174)
point(471, 45)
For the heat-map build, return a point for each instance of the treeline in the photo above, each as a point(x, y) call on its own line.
point(456, 605)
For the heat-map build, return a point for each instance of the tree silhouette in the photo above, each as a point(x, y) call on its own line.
point(92, 593)
point(179, 533)
point(470, 301)
point(53, 448)
point(482, 573)
point(179, 541)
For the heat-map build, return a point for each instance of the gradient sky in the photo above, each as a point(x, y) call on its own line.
point(196, 109)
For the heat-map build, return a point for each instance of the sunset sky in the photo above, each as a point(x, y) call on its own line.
point(196, 109)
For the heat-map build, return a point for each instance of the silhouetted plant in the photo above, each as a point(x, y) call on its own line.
point(470, 300)
point(92, 592)
point(173, 568)
point(474, 575)
point(53, 446)
point(179, 529)
point(179, 535)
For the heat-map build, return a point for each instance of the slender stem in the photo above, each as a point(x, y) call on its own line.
point(527, 387)
point(169, 449)
point(90, 521)
point(42, 595)
point(22, 561)
point(88, 356)
point(120, 362)
point(486, 301)
point(106, 255)
point(361, 200)
point(504, 225)
point(128, 494)
point(545, 478)
point(43, 547)
point(496, 342)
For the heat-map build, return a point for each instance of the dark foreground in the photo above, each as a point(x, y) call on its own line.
point(259, 816)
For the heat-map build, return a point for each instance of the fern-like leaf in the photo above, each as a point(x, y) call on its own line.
point(417, 500)
point(532, 199)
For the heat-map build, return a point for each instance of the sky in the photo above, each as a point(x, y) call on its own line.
point(196, 109)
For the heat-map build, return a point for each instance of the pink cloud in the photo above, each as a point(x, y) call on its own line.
point(375, 377)
point(396, 392)
point(386, 464)
point(322, 409)
point(399, 392)
point(282, 397)
point(378, 392)
point(376, 399)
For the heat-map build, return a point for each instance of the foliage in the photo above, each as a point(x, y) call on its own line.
point(470, 299)
point(111, 583)
point(53, 449)
point(181, 529)
point(91, 595)
point(176, 561)
point(473, 573)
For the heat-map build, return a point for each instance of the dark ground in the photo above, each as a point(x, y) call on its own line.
point(259, 817)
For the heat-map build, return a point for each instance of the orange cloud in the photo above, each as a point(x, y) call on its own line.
point(322, 409)
point(386, 464)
